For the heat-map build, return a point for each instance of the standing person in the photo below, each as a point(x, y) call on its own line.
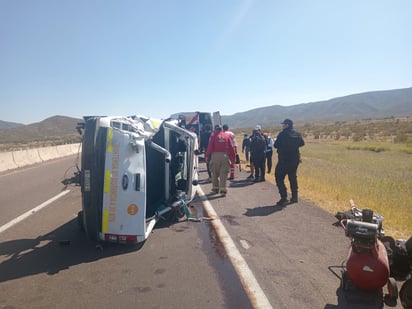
point(205, 133)
point(252, 167)
point(287, 144)
point(245, 146)
point(220, 153)
point(233, 139)
point(204, 142)
point(257, 153)
point(269, 151)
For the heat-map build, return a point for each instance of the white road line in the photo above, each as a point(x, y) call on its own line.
point(32, 211)
point(255, 293)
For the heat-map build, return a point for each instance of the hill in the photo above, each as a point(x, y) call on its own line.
point(367, 105)
point(56, 129)
point(9, 125)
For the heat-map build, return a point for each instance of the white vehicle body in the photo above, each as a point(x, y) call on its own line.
point(133, 170)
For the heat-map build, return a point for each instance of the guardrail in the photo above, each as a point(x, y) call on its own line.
point(19, 158)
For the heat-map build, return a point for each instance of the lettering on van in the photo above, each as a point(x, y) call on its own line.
point(113, 183)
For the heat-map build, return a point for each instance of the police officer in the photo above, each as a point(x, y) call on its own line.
point(287, 144)
point(257, 153)
point(245, 146)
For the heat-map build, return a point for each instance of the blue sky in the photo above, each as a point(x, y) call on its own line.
point(158, 57)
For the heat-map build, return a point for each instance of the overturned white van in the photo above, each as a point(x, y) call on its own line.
point(134, 170)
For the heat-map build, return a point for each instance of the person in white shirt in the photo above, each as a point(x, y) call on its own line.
point(269, 151)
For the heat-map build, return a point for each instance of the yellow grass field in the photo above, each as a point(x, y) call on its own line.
point(333, 173)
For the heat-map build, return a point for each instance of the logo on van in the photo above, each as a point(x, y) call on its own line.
point(125, 182)
point(132, 209)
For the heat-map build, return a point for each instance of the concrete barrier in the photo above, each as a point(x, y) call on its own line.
point(76, 148)
point(6, 161)
point(26, 157)
point(20, 158)
point(48, 153)
point(64, 150)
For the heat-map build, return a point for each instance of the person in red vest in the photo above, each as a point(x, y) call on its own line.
point(220, 154)
point(225, 128)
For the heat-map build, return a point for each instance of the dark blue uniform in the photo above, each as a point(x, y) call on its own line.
point(257, 151)
point(287, 144)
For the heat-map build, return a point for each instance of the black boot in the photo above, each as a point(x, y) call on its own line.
point(294, 198)
point(282, 202)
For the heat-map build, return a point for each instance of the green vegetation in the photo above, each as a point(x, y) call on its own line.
point(380, 146)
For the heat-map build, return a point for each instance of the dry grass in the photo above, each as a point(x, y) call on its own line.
point(333, 173)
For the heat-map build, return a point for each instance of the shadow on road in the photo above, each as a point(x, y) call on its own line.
point(356, 298)
point(262, 211)
point(58, 250)
point(241, 183)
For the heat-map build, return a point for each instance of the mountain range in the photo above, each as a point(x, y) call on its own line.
point(9, 125)
point(367, 105)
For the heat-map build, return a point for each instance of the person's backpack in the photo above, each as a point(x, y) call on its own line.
point(257, 146)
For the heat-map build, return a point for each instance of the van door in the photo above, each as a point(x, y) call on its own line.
point(124, 187)
point(183, 167)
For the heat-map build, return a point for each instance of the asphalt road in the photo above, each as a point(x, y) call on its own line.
point(47, 262)
point(295, 253)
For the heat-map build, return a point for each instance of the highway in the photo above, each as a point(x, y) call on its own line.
point(268, 258)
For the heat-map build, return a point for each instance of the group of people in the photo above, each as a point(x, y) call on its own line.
point(258, 149)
